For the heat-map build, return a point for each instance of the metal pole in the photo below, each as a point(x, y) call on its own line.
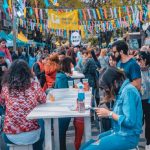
point(14, 26)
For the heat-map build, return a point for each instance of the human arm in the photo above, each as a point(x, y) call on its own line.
point(8, 63)
point(8, 55)
point(41, 96)
point(103, 112)
point(135, 75)
point(129, 111)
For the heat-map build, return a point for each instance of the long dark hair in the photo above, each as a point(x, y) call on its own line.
point(145, 56)
point(107, 82)
point(65, 65)
point(18, 76)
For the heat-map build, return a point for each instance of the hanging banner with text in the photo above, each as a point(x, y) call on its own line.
point(63, 20)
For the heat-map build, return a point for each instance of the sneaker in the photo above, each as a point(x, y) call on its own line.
point(147, 147)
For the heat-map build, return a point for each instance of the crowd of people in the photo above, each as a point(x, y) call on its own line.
point(118, 77)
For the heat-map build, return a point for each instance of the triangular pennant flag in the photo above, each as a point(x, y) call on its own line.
point(98, 14)
point(88, 10)
point(84, 14)
point(47, 4)
point(94, 14)
point(31, 12)
point(41, 14)
point(105, 13)
point(36, 13)
point(25, 12)
point(10, 4)
point(5, 6)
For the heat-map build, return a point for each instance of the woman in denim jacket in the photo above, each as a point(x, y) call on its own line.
point(144, 62)
point(126, 115)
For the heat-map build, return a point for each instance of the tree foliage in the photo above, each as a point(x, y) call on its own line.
point(62, 4)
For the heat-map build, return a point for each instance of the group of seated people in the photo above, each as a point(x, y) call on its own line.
point(120, 81)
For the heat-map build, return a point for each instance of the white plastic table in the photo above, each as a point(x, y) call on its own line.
point(60, 108)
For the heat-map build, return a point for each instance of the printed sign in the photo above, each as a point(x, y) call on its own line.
point(75, 38)
point(63, 20)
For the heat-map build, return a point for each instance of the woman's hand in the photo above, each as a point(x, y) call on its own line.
point(102, 112)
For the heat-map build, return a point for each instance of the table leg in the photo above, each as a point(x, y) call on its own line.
point(56, 134)
point(87, 128)
point(48, 135)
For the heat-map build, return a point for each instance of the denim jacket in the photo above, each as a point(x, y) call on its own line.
point(145, 84)
point(129, 109)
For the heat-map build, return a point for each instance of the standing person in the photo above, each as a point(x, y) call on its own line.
point(38, 69)
point(62, 78)
point(31, 59)
point(128, 64)
point(144, 62)
point(89, 70)
point(73, 55)
point(51, 67)
point(4, 49)
point(126, 115)
point(112, 61)
point(3, 66)
point(20, 95)
point(103, 59)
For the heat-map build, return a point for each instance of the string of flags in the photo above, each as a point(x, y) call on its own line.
point(99, 13)
point(89, 20)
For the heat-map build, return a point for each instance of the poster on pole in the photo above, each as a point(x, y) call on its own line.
point(75, 38)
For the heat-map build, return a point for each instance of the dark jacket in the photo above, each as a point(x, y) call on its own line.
point(39, 72)
point(89, 71)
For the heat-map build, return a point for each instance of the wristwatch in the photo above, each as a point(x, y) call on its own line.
point(110, 114)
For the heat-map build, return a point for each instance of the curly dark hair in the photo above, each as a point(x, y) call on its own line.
point(18, 77)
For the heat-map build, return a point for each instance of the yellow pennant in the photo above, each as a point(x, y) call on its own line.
point(10, 4)
point(41, 28)
point(25, 12)
point(119, 12)
point(98, 13)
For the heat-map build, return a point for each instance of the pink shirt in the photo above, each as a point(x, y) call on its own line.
point(19, 105)
point(7, 53)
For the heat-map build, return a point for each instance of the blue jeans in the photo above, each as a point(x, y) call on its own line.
point(111, 141)
point(36, 146)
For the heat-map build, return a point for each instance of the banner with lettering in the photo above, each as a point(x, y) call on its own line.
point(63, 20)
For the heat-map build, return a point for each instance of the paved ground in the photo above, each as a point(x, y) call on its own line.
point(70, 138)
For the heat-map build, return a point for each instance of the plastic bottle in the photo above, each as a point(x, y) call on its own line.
point(81, 98)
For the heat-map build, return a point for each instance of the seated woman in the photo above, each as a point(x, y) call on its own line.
point(20, 95)
point(62, 78)
point(126, 115)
